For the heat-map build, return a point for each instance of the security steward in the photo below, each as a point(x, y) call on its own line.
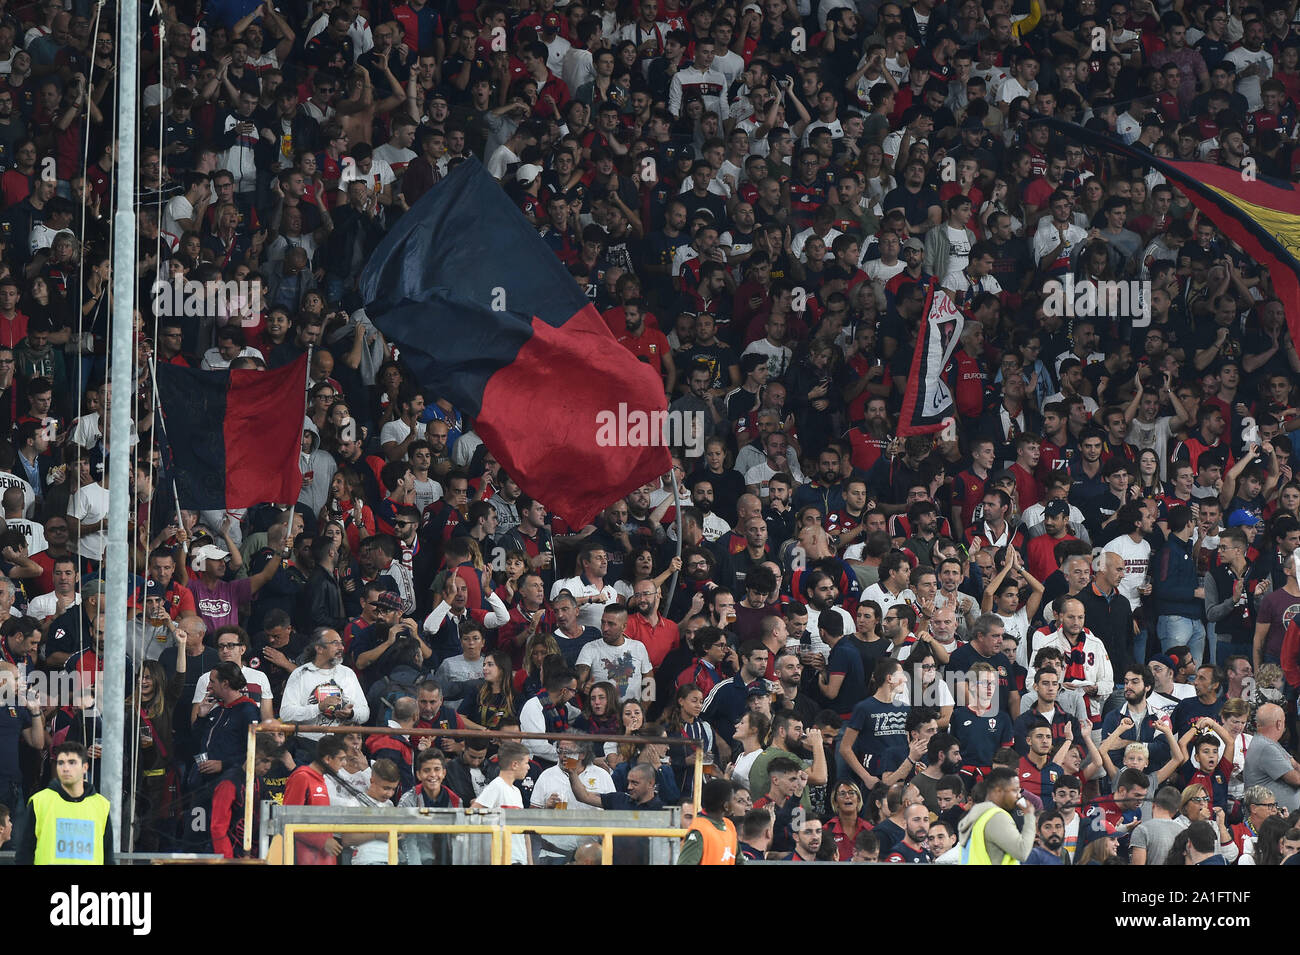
point(66, 823)
point(711, 838)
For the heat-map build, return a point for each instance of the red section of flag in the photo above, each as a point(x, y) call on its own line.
point(541, 416)
point(263, 434)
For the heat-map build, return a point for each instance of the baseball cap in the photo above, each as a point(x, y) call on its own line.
point(527, 173)
point(972, 123)
point(1243, 518)
point(154, 589)
point(1056, 509)
point(551, 21)
point(201, 555)
point(389, 600)
point(914, 243)
point(92, 588)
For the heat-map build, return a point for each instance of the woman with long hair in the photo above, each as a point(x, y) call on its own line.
point(1149, 486)
point(639, 565)
point(923, 673)
point(346, 503)
point(843, 830)
point(600, 714)
point(1099, 850)
point(753, 733)
point(528, 678)
point(632, 715)
point(871, 642)
point(493, 703)
point(682, 718)
point(149, 717)
point(1268, 849)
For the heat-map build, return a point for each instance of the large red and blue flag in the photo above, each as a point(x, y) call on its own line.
point(1260, 214)
point(234, 436)
point(488, 317)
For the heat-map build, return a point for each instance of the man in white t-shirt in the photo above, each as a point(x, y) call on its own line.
point(232, 644)
point(1133, 547)
point(617, 658)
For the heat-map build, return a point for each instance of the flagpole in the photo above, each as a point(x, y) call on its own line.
point(677, 510)
point(112, 685)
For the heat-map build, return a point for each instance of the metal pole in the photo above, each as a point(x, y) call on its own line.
point(113, 695)
point(677, 510)
point(250, 785)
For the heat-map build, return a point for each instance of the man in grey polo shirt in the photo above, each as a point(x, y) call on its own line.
point(1268, 764)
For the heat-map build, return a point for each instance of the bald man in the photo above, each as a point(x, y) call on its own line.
point(1268, 764)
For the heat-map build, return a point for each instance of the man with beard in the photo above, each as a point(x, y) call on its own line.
point(702, 497)
point(659, 634)
point(698, 404)
point(916, 827)
point(1050, 849)
point(817, 588)
point(824, 491)
point(754, 606)
point(923, 517)
point(870, 438)
point(698, 566)
point(778, 512)
point(817, 554)
point(776, 461)
point(1087, 664)
point(988, 833)
point(942, 758)
point(737, 567)
point(650, 345)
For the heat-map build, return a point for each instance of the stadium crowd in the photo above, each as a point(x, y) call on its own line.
point(1062, 631)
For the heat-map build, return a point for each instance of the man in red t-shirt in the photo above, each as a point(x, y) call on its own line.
point(647, 344)
point(1029, 450)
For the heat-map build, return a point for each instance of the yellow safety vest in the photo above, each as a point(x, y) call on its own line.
point(69, 833)
point(975, 852)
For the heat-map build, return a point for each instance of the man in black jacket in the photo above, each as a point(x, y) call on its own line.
point(321, 602)
point(1109, 616)
point(357, 231)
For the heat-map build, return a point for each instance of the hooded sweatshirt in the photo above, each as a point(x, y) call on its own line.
point(1000, 835)
point(319, 466)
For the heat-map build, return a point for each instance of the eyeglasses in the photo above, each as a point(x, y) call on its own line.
point(1199, 799)
point(228, 646)
point(6, 361)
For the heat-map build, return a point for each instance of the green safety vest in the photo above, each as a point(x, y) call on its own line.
point(69, 833)
point(975, 852)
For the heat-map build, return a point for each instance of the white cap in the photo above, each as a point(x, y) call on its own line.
point(527, 173)
point(201, 555)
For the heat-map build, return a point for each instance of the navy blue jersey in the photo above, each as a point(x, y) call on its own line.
point(902, 852)
point(881, 729)
point(980, 736)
